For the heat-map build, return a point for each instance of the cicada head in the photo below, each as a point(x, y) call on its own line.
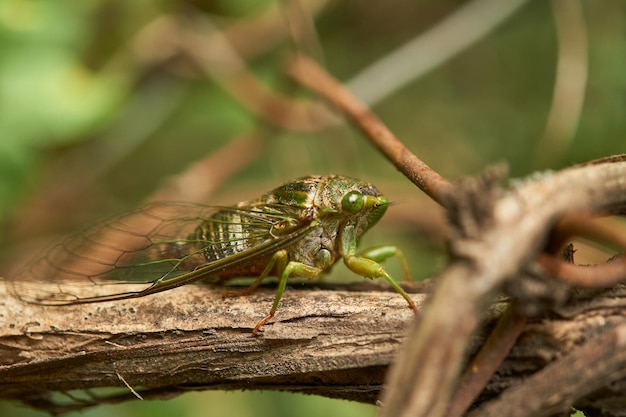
point(348, 201)
point(364, 206)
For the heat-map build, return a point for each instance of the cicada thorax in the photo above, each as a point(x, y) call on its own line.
point(319, 199)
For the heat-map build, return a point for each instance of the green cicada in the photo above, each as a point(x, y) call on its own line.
point(299, 229)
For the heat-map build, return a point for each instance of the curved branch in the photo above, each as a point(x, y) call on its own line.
point(308, 73)
point(335, 341)
point(486, 259)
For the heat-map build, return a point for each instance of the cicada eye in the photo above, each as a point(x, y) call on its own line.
point(353, 202)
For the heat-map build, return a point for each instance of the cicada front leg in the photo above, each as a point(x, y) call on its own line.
point(366, 263)
point(381, 253)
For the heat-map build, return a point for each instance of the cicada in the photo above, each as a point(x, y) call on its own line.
point(300, 229)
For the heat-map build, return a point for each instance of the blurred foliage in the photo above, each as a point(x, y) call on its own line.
point(235, 404)
point(92, 120)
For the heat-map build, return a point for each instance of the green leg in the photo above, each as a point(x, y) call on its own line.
point(367, 266)
point(371, 269)
point(381, 253)
point(286, 270)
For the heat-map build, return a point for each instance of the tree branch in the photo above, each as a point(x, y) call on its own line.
point(497, 237)
point(335, 341)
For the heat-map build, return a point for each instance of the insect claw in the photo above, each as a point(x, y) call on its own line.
point(261, 322)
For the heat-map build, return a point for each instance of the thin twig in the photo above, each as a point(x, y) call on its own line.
point(300, 20)
point(596, 276)
point(267, 28)
point(583, 276)
point(311, 75)
point(581, 225)
point(211, 50)
point(554, 389)
point(487, 361)
point(135, 393)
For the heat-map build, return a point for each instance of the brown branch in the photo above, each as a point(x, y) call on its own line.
point(570, 226)
point(311, 75)
point(211, 51)
point(334, 341)
point(585, 226)
point(552, 391)
point(485, 260)
point(267, 29)
point(488, 257)
point(487, 361)
point(596, 276)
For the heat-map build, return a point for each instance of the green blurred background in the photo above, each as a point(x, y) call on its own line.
point(99, 109)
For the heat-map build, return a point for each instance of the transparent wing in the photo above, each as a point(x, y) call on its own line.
point(154, 249)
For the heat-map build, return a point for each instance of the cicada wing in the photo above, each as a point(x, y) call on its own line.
point(107, 256)
point(142, 252)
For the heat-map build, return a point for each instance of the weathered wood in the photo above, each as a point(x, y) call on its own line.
point(333, 341)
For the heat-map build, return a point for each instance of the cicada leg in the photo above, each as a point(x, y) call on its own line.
point(285, 271)
point(366, 263)
point(381, 253)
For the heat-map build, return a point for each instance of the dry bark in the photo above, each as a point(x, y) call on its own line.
point(327, 342)
point(335, 342)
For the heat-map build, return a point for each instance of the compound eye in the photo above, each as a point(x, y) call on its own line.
point(353, 202)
